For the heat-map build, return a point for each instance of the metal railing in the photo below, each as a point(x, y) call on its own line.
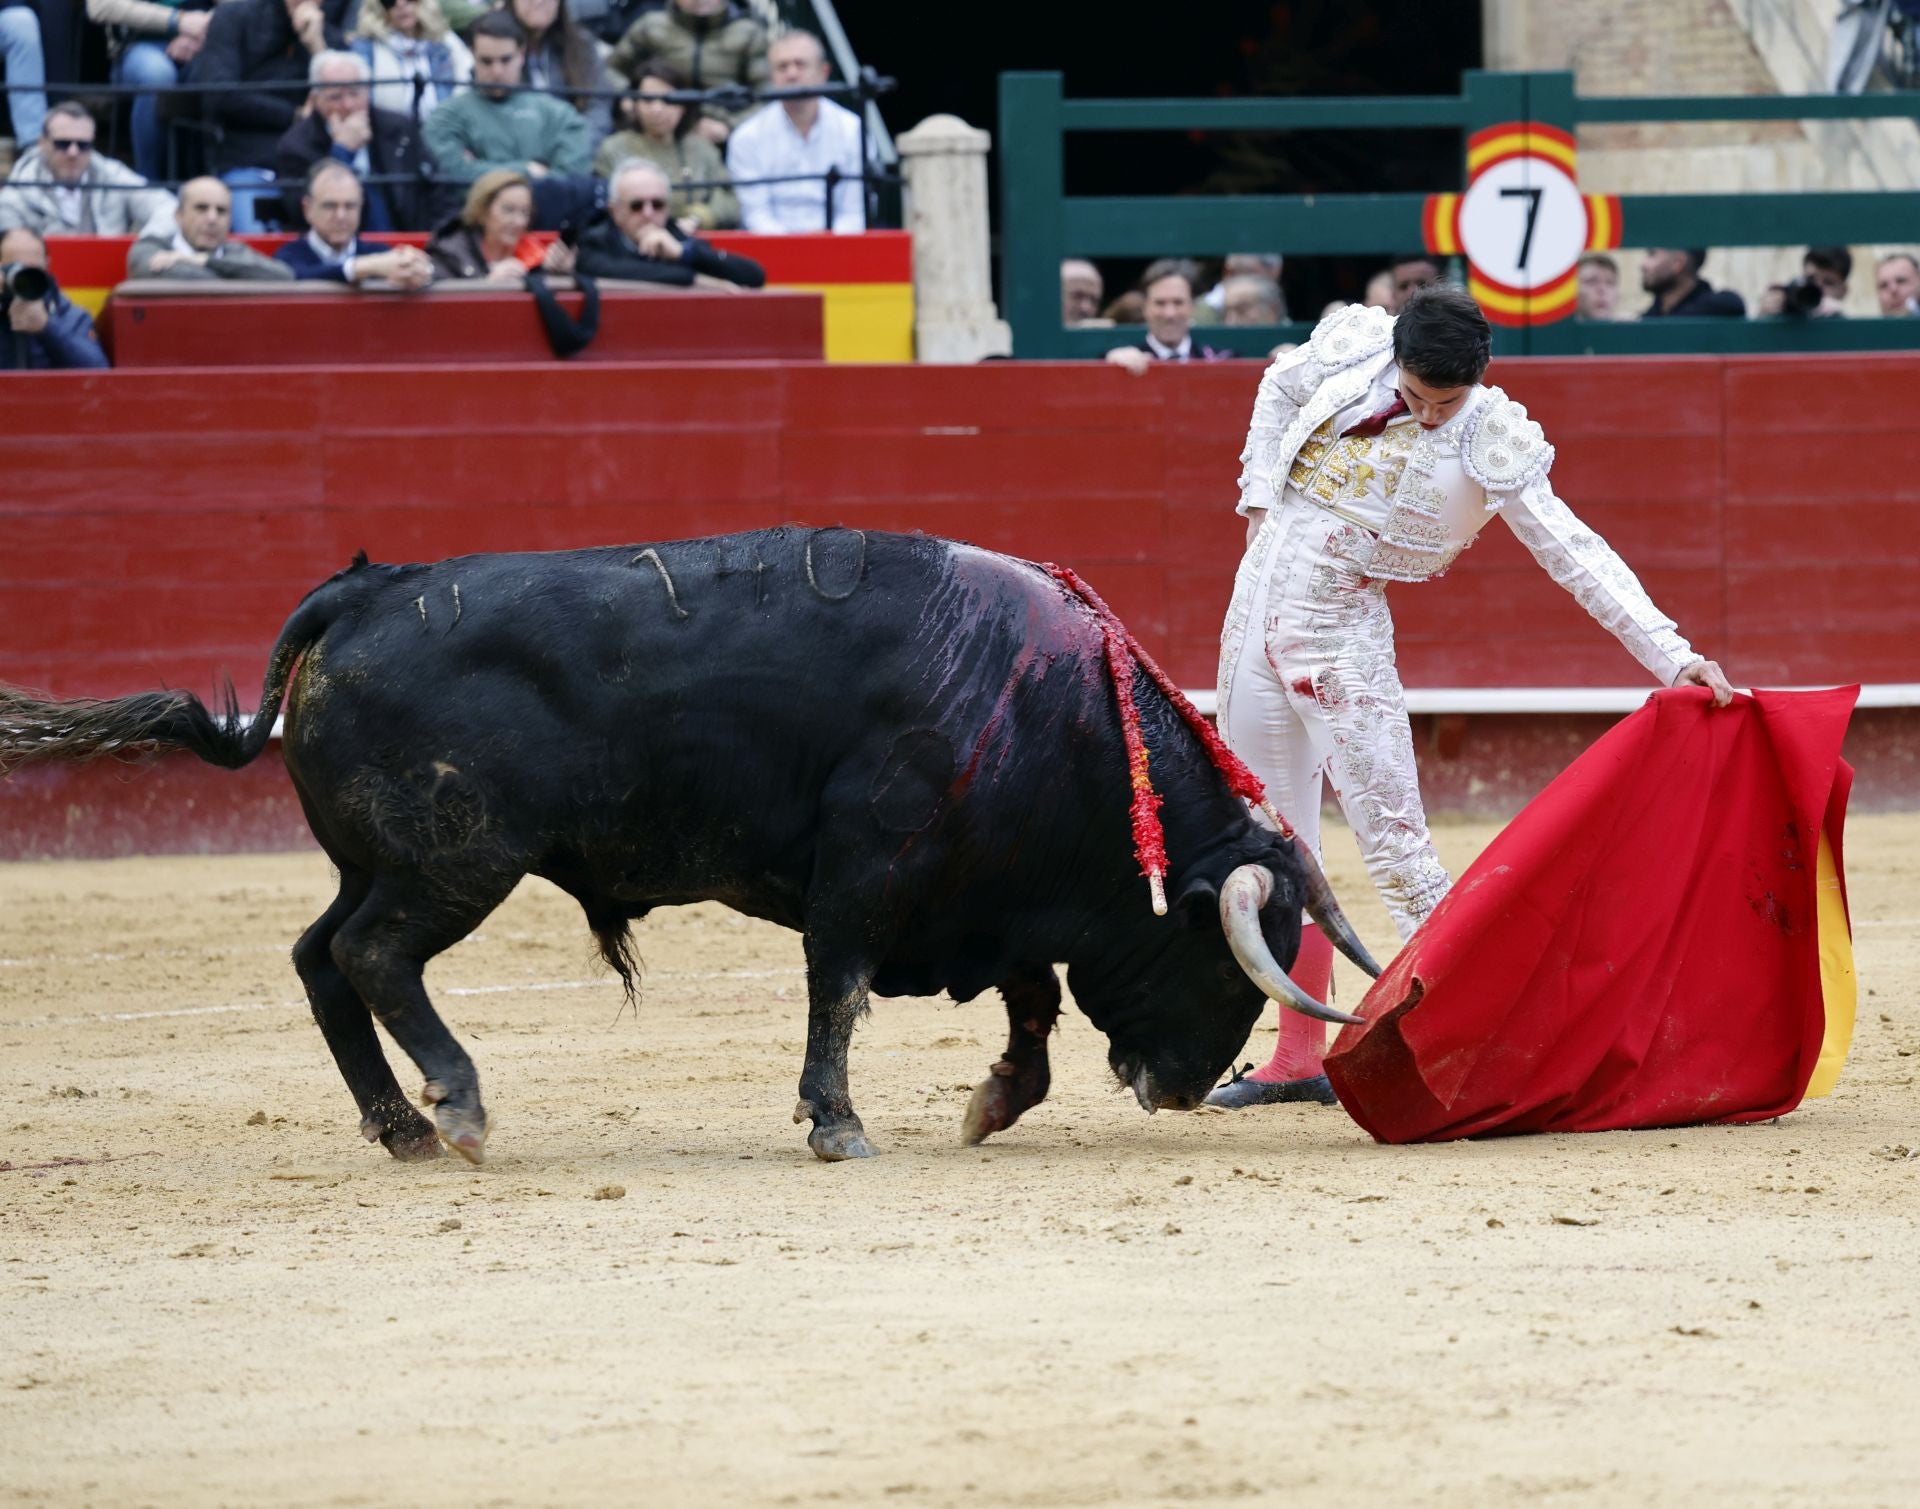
point(1041, 223)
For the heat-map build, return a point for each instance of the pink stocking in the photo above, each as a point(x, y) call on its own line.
point(1303, 1041)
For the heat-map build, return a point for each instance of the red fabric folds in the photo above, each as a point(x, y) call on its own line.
point(1637, 949)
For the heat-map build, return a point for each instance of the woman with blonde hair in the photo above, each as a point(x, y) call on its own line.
point(416, 60)
point(665, 137)
point(489, 239)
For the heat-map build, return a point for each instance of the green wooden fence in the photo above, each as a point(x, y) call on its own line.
point(1040, 224)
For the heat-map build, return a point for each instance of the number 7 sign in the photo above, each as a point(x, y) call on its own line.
point(1522, 223)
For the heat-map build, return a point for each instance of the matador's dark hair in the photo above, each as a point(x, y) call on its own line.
point(1442, 338)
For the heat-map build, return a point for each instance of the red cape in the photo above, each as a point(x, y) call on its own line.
point(1637, 949)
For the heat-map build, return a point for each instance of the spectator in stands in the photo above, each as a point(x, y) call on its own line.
point(1168, 289)
point(1379, 294)
point(709, 46)
point(333, 248)
point(1673, 278)
point(1897, 284)
point(1129, 308)
point(1081, 290)
point(63, 187)
point(49, 331)
point(489, 238)
point(265, 42)
point(810, 136)
point(633, 239)
point(150, 44)
point(1411, 270)
point(1598, 289)
point(1820, 292)
point(562, 57)
point(26, 59)
point(340, 122)
point(492, 126)
point(1265, 265)
point(1251, 299)
point(667, 138)
point(416, 60)
point(199, 247)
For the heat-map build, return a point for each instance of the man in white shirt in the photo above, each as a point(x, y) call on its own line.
point(791, 139)
point(1376, 456)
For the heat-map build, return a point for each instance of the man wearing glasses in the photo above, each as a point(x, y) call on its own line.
point(62, 187)
point(635, 240)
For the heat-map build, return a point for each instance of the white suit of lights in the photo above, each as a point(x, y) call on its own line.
point(1308, 680)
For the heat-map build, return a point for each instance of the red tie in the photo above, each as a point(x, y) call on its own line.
point(1374, 424)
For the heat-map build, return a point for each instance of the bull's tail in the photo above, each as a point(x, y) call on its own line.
point(37, 730)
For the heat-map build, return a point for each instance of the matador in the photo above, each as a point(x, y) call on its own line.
point(1376, 455)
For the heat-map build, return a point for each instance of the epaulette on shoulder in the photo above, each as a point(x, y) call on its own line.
point(1351, 335)
point(1501, 448)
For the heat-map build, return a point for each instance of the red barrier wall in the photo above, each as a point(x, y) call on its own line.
point(309, 326)
point(159, 526)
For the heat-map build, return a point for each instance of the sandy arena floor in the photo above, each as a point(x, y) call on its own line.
point(235, 1301)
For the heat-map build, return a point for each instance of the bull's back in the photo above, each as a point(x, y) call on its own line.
point(686, 705)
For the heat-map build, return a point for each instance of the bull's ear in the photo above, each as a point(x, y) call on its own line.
point(1197, 905)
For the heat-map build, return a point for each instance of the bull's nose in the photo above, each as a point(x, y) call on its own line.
point(1153, 1097)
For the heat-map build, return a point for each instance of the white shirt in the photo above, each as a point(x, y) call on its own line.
point(1180, 353)
point(768, 145)
point(342, 259)
point(69, 202)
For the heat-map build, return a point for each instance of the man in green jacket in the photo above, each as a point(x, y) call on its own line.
point(705, 44)
point(496, 125)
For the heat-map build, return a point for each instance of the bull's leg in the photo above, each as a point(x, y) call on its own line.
point(383, 950)
point(836, 999)
point(1019, 1080)
point(385, 1114)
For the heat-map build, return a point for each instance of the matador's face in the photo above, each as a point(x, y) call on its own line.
point(1433, 406)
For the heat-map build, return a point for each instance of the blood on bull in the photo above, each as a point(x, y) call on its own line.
point(905, 749)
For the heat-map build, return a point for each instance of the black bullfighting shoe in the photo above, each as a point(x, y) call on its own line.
point(1240, 1092)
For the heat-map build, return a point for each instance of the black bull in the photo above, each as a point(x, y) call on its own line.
point(905, 749)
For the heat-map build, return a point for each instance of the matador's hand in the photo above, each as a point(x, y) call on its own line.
point(1708, 674)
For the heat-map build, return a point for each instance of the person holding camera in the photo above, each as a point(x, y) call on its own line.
point(634, 239)
point(1679, 292)
point(1819, 293)
point(44, 328)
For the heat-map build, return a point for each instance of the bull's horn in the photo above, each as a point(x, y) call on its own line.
point(1326, 911)
point(1241, 898)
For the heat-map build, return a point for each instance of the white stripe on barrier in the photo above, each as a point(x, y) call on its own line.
point(1572, 699)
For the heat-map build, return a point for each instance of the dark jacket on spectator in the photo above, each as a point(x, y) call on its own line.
point(252, 41)
point(306, 263)
point(66, 342)
point(395, 147)
point(605, 253)
point(1705, 301)
point(709, 50)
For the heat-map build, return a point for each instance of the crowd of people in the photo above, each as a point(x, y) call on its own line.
point(1168, 298)
point(343, 121)
point(422, 97)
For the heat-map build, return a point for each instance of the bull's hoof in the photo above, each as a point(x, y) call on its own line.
point(1239, 1093)
point(412, 1147)
point(991, 1110)
point(408, 1135)
point(839, 1140)
point(462, 1130)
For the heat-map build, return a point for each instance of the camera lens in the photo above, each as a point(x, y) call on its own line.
point(29, 283)
point(1803, 296)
